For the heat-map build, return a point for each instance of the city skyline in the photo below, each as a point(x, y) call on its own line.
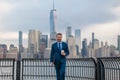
point(103, 20)
point(38, 42)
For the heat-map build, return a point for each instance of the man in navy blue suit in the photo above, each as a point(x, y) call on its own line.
point(59, 52)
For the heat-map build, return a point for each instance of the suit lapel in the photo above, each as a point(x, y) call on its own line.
point(62, 46)
point(56, 45)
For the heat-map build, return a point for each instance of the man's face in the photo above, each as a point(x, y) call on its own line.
point(59, 38)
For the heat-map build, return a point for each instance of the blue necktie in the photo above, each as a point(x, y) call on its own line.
point(59, 46)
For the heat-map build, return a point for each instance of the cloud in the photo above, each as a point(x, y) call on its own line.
point(87, 12)
point(116, 11)
point(29, 14)
point(106, 32)
point(88, 15)
point(7, 35)
point(12, 38)
point(26, 15)
point(5, 7)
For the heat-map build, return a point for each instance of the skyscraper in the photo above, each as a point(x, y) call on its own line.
point(43, 45)
point(44, 40)
point(72, 47)
point(20, 42)
point(68, 32)
point(70, 39)
point(106, 50)
point(101, 50)
point(33, 41)
point(93, 38)
point(96, 48)
point(118, 43)
point(96, 43)
point(4, 49)
point(78, 38)
point(84, 48)
point(53, 19)
point(90, 50)
point(53, 25)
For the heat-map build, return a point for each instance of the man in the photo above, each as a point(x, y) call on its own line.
point(59, 52)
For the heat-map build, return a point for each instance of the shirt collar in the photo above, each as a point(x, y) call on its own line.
point(59, 42)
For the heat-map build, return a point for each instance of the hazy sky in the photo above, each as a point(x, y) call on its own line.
point(99, 16)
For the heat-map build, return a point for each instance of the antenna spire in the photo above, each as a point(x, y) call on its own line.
point(53, 4)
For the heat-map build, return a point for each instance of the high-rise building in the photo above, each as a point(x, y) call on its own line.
point(20, 42)
point(53, 25)
point(47, 53)
point(43, 45)
point(106, 50)
point(53, 19)
point(112, 50)
point(11, 46)
point(101, 49)
point(93, 38)
point(70, 39)
point(118, 43)
point(33, 41)
point(96, 43)
point(13, 52)
point(13, 49)
point(1, 52)
point(44, 40)
point(90, 50)
point(102, 45)
point(96, 48)
point(72, 47)
point(4, 49)
point(68, 32)
point(84, 48)
point(78, 38)
point(77, 51)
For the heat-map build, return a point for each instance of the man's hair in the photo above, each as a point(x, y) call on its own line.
point(59, 34)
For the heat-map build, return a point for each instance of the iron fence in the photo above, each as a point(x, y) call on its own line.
point(76, 69)
point(7, 69)
point(109, 68)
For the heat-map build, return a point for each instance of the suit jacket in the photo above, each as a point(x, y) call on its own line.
point(55, 55)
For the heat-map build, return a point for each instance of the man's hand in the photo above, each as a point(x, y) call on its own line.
point(62, 53)
point(52, 64)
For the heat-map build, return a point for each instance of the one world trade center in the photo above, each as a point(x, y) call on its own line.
point(53, 24)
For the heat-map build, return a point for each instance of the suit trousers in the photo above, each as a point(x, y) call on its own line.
point(60, 71)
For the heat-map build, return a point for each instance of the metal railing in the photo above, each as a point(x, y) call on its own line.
point(76, 69)
point(109, 68)
point(7, 69)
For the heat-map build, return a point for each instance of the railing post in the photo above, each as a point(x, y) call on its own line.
point(18, 70)
point(100, 70)
point(18, 67)
point(13, 68)
point(95, 67)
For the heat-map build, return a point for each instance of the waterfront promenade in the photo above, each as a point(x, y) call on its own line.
point(77, 69)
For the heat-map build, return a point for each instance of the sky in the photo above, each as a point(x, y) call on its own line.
point(99, 16)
